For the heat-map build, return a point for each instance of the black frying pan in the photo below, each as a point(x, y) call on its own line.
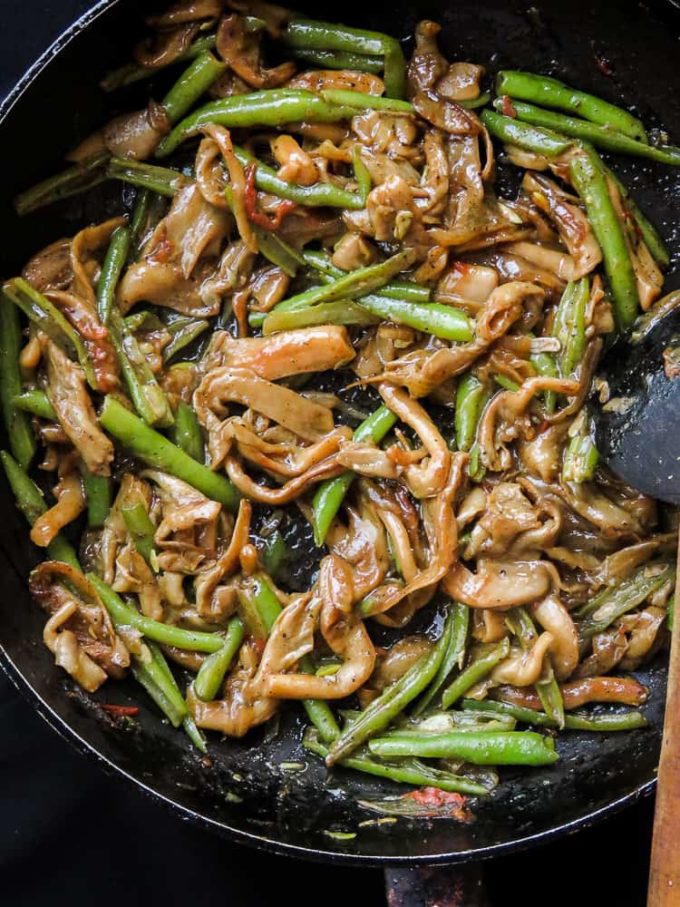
point(620, 50)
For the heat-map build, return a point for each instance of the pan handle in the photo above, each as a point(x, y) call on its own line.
point(435, 886)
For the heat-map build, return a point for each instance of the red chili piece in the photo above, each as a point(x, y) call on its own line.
point(259, 217)
point(128, 711)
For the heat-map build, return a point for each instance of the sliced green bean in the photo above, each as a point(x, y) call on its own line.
point(35, 402)
point(604, 722)
point(50, 320)
point(162, 454)
point(269, 107)
point(433, 318)
point(145, 392)
point(363, 101)
point(477, 747)
point(395, 289)
point(527, 86)
point(161, 180)
point(530, 138)
point(138, 523)
point(192, 85)
point(362, 174)
point(333, 59)
point(211, 674)
point(612, 603)
point(123, 614)
point(471, 398)
point(650, 235)
point(69, 182)
point(311, 34)
point(277, 250)
point(476, 671)
point(186, 432)
point(183, 334)
point(392, 701)
point(31, 503)
point(404, 771)
point(331, 493)
point(98, 497)
point(590, 182)
point(340, 312)
point(580, 459)
point(570, 326)
point(19, 431)
point(112, 267)
point(453, 657)
point(545, 365)
point(601, 136)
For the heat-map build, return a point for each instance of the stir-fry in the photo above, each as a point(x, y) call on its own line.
point(307, 420)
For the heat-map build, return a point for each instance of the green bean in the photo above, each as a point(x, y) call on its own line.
point(269, 107)
point(31, 503)
point(530, 138)
point(442, 722)
point(454, 656)
point(139, 219)
point(160, 453)
point(51, 321)
point(138, 523)
point(277, 250)
point(473, 103)
point(433, 318)
point(318, 710)
point(545, 365)
point(166, 683)
point(35, 402)
point(69, 182)
point(98, 497)
point(361, 101)
point(475, 672)
point(600, 136)
point(161, 180)
point(211, 675)
point(18, 425)
point(331, 493)
point(263, 608)
point(590, 182)
point(471, 398)
point(354, 284)
point(580, 460)
point(527, 86)
point(570, 325)
point(186, 432)
point(310, 34)
point(395, 289)
point(112, 268)
point(392, 701)
point(362, 174)
point(191, 85)
point(340, 312)
point(123, 614)
point(477, 747)
point(549, 692)
point(130, 73)
point(647, 230)
point(599, 613)
point(614, 721)
point(183, 334)
point(405, 771)
point(506, 383)
point(275, 553)
point(149, 677)
point(314, 196)
point(332, 59)
point(145, 392)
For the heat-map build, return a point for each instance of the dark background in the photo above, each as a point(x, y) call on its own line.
point(70, 833)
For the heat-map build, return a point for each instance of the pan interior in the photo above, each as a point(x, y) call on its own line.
point(268, 791)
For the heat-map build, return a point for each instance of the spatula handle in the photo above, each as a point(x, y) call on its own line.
point(664, 873)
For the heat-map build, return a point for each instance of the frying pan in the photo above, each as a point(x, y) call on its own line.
point(265, 791)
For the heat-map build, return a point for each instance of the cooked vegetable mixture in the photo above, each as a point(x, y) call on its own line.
point(314, 403)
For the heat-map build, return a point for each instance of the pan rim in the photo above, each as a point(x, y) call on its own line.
point(259, 840)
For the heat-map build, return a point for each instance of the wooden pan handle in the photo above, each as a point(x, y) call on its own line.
point(664, 873)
